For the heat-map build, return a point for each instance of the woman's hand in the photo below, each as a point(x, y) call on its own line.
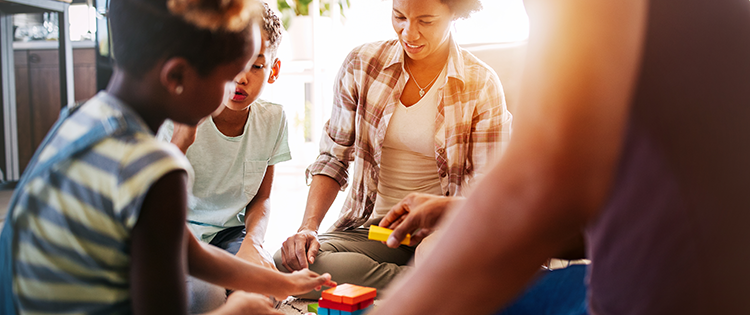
point(241, 302)
point(417, 214)
point(299, 250)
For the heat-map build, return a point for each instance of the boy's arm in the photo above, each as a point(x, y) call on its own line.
point(257, 214)
point(580, 72)
point(157, 271)
point(183, 136)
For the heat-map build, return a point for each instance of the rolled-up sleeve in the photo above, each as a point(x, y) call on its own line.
point(491, 126)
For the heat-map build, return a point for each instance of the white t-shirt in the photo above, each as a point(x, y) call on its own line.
point(408, 160)
point(229, 170)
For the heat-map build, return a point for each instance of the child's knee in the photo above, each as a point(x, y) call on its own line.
point(203, 296)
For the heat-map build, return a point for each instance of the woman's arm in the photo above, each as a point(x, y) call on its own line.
point(583, 56)
point(490, 127)
point(329, 173)
point(300, 249)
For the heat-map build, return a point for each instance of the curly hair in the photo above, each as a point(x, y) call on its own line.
point(272, 28)
point(206, 33)
point(463, 8)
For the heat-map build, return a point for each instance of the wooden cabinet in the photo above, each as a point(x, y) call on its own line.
point(38, 93)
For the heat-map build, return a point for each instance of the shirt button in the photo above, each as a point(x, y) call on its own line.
point(443, 174)
point(441, 151)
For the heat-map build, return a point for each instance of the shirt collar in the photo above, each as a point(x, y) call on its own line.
point(455, 62)
point(136, 121)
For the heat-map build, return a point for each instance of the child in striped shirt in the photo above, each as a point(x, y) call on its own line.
point(97, 223)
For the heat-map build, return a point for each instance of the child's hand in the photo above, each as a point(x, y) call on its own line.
point(303, 281)
point(184, 135)
point(241, 302)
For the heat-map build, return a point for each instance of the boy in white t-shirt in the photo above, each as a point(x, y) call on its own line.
point(233, 152)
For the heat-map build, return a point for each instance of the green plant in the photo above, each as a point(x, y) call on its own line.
point(291, 8)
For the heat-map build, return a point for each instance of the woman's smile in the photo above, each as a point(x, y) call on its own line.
point(412, 49)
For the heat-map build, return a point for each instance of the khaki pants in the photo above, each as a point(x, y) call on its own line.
point(352, 258)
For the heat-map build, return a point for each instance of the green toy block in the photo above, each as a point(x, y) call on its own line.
point(312, 308)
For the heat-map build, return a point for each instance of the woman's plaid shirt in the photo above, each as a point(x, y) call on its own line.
point(472, 126)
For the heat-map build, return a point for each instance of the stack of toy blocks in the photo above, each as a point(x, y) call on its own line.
point(346, 299)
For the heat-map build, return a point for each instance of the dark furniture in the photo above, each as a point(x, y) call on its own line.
point(9, 161)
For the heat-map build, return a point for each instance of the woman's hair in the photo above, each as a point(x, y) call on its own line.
point(463, 8)
point(272, 28)
point(206, 33)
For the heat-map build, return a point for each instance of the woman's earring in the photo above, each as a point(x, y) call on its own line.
point(178, 90)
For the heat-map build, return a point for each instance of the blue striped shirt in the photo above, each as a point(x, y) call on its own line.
point(73, 222)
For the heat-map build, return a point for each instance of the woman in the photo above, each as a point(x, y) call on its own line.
point(417, 114)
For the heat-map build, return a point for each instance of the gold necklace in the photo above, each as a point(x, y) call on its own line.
point(421, 90)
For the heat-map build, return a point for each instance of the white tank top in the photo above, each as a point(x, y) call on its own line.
point(407, 162)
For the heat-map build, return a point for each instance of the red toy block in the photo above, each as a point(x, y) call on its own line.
point(349, 294)
point(366, 303)
point(344, 307)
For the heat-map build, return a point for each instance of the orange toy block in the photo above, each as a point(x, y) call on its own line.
point(349, 294)
point(378, 233)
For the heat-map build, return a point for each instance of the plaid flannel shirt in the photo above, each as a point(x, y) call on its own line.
point(473, 124)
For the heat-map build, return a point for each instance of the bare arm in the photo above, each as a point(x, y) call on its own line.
point(299, 250)
point(159, 249)
point(157, 271)
point(257, 214)
point(211, 264)
point(183, 136)
point(558, 168)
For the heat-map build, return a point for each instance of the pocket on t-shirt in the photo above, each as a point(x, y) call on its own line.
point(253, 177)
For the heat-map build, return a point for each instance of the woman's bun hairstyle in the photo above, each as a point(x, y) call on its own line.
point(463, 8)
point(206, 33)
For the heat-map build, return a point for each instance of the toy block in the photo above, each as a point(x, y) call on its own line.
point(364, 304)
point(329, 296)
point(344, 307)
point(328, 311)
point(349, 294)
point(357, 312)
point(312, 308)
point(378, 233)
point(360, 295)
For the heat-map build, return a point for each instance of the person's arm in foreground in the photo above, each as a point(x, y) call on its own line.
point(257, 214)
point(158, 265)
point(580, 72)
point(300, 250)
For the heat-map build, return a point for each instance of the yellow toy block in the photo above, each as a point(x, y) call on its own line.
point(378, 233)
